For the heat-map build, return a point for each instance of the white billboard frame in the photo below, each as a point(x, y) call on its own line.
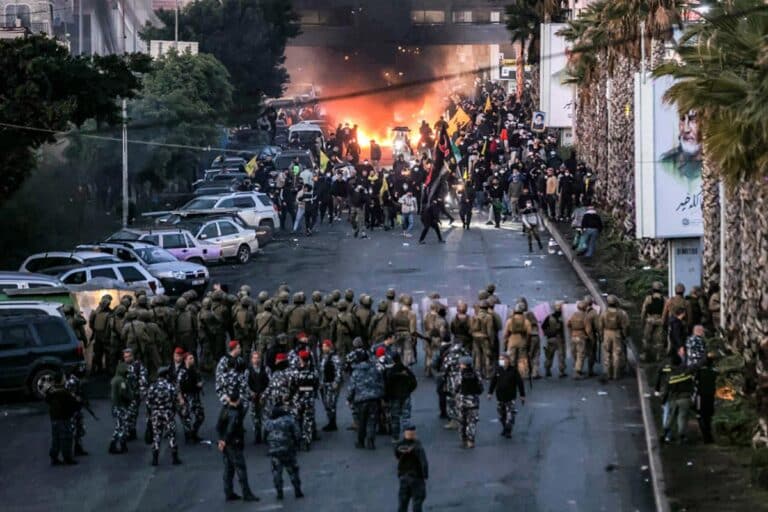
point(555, 98)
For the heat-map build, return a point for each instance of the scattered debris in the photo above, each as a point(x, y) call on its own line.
point(406, 244)
point(527, 263)
point(689, 463)
point(559, 253)
point(643, 468)
point(602, 393)
point(583, 399)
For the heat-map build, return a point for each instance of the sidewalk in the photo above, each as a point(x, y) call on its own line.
point(694, 476)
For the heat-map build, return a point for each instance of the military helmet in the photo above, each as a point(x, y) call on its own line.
point(366, 300)
point(383, 306)
point(559, 305)
point(482, 304)
point(283, 296)
point(191, 295)
point(523, 301)
point(329, 300)
point(336, 294)
point(612, 300)
point(245, 301)
point(139, 293)
point(69, 309)
point(206, 302)
point(581, 305)
point(218, 296)
point(131, 315)
point(120, 310)
point(461, 307)
point(282, 339)
point(357, 342)
point(283, 288)
point(406, 300)
point(263, 295)
point(588, 300)
point(145, 315)
point(657, 286)
point(106, 299)
point(268, 304)
point(491, 288)
point(232, 299)
point(342, 305)
point(126, 300)
point(245, 289)
point(349, 295)
point(482, 295)
point(433, 305)
point(493, 300)
point(390, 293)
point(299, 298)
point(181, 303)
point(317, 296)
point(142, 301)
point(156, 301)
point(433, 295)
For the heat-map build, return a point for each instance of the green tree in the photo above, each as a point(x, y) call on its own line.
point(43, 88)
point(247, 36)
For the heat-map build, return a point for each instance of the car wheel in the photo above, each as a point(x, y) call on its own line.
point(197, 261)
point(243, 254)
point(41, 381)
point(269, 223)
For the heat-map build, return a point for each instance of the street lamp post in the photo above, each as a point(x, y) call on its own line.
point(176, 27)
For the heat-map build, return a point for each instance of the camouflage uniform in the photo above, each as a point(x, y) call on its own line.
point(344, 329)
point(283, 437)
point(161, 399)
point(155, 339)
point(265, 327)
point(116, 341)
point(517, 335)
point(614, 324)
point(404, 324)
point(580, 331)
point(229, 380)
point(327, 318)
point(650, 316)
point(296, 317)
point(366, 388)
point(468, 402)
point(306, 394)
point(453, 378)
point(553, 330)
point(381, 324)
point(244, 328)
point(331, 378)
point(364, 315)
point(138, 380)
point(185, 332)
point(122, 396)
point(98, 321)
point(482, 334)
point(281, 391)
point(460, 327)
point(189, 384)
point(220, 324)
point(75, 386)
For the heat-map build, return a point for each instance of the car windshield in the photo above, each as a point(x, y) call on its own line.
point(150, 255)
point(200, 204)
point(124, 235)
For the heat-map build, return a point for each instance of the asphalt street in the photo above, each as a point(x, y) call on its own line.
point(577, 446)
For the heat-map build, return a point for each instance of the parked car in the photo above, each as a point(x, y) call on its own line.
point(33, 349)
point(254, 208)
point(285, 159)
point(229, 162)
point(235, 239)
point(29, 307)
point(176, 276)
point(41, 261)
point(176, 241)
point(132, 274)
point(24, 280)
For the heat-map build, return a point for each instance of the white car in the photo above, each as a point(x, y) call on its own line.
point(41, 261)
point(235, 239)
point(26, 280)
point(255, 208)
point(132, 274)
point(30, 307)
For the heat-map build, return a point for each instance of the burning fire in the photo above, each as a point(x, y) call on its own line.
point(725, 393)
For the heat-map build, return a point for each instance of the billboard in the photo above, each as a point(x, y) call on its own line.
point(555, 98)
point(667, 165)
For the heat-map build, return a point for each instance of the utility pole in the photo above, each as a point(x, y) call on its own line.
point(79, 27)
point(125, 132)
point(176, 28)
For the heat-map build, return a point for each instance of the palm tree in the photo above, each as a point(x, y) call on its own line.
point(721, 73)
point(524, 19)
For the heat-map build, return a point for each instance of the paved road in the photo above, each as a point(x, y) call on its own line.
point(558, 460)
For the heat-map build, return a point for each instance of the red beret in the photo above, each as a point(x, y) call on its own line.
point(327, 343)
point(233, 344)
point(381, 351)
point(302, 336)
point(279, 358)
point(180, 351)
point(304, 354)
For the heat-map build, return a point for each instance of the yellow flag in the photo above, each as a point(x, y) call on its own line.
point(459, 119)
point(323, 161)
point(488, 106)
point(384, 188)
point(250, 167)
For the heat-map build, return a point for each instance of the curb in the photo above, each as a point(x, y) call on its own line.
point(651, 434)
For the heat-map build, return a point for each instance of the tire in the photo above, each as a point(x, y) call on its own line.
point(243, 254)
point(268, 223)
point(39, 380)
point(197, 261)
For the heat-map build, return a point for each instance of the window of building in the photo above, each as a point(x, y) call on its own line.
point(495, 16)
point(428, 17)
point(334, 17)
point(462, 16)
point(20, 12)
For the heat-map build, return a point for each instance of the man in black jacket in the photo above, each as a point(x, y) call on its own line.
point(400, 382)
point(62, 406)
point(506, 382)
point(231, 440)
point(258, 380)
point(412, 470)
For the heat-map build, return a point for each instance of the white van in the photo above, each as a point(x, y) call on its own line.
point(307, 134)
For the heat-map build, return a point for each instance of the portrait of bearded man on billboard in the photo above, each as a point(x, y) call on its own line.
point(684, 160)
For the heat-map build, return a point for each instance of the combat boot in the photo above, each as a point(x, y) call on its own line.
point(187, 437)
point(331, 426)
point(155, 457)
point(451, 425)
point(249, 496)
point(297, 492)
point(175, 456)
point(123, 446)
point(79, 450)
point(549, 372)
point(369, 444)
point(470, 444)
point(113, 447)
point(132, 435)
point(195, 437)
point(257, 437)
point(280, 494)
